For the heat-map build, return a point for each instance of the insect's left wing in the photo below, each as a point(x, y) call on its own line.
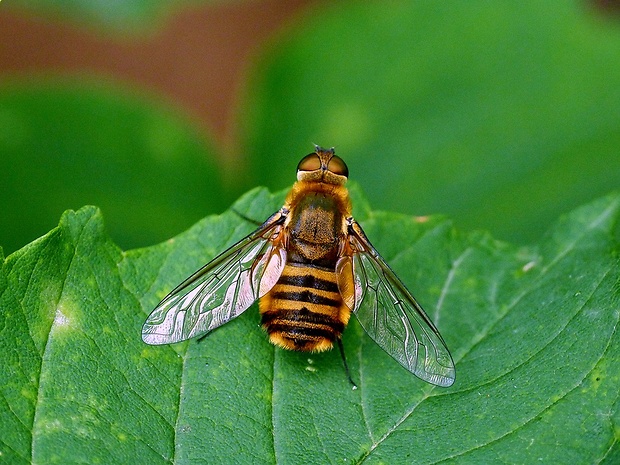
point(222, 289)
point(390, 314)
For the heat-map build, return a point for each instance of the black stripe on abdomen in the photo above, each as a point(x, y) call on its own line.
point(307, 296)
point(302, 329)
point(308, 281)
point(304, 310)
point(302, 318)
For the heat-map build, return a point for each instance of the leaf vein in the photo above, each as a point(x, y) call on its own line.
point(448, 282)
point(556, 260)
point(558, 398)
point(410, 411)
point(47, 340)
point(19, 420)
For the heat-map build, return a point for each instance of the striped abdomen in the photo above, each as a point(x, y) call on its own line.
point(304, 310)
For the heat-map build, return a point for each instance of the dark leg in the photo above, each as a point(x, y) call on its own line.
point(346, 367)
point(246, 218)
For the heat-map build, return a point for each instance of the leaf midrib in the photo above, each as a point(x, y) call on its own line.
point(65, 275)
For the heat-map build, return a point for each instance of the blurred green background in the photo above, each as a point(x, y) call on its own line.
point(501, 115)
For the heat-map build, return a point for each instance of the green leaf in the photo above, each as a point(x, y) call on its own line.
point(533, 332)
point(500, 115)
point(70, 142)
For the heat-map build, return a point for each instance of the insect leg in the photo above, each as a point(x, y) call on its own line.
point(246, 218)
point(344, 361)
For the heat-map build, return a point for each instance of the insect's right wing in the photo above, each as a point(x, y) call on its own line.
point(222, 289)
point(390, 314)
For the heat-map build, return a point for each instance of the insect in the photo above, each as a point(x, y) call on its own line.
point(310, 265)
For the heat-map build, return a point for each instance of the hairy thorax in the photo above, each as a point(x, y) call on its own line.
point(315, 228)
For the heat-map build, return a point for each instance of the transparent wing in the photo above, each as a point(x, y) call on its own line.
point(222, 289)
point(392, 317)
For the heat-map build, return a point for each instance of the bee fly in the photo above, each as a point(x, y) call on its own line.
point(311, 265)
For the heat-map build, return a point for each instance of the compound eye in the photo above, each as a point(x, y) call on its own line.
point(338, 166)
point(309, 163)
